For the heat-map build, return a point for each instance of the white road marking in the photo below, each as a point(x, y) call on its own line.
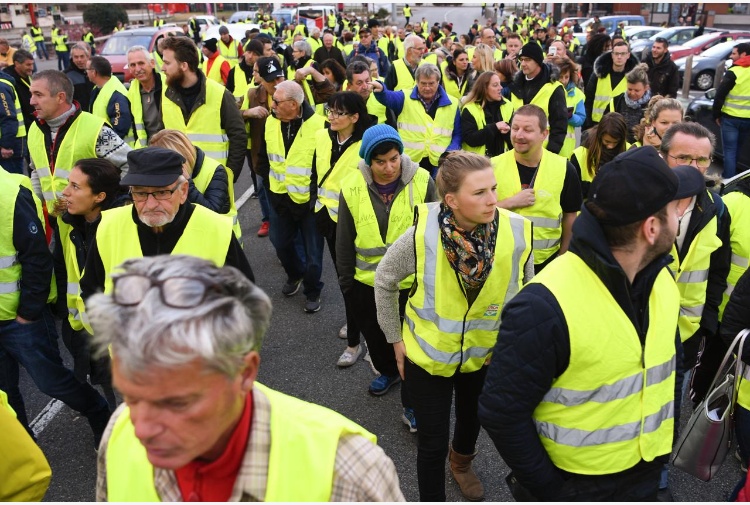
point(244, 198)
point(46, 416)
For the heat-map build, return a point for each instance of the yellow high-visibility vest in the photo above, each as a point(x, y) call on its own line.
point(136, 109)
point(737, 103)
point(100, 105)
point(546, 213)
point(215, 73)
point(476, 111)
point(330, 189)
point(423, 136)
point(614, 404)
point(230, 53)
point(205, 176)
point(21, 132)
point(738, 206)
point(368, 244)
point(304, 447)
point(441, 332)
point(604, 94)
point(570, 136)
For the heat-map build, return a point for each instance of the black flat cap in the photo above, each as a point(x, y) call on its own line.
point(153, 166)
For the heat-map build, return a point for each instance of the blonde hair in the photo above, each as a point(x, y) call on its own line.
point(178, 142)
point(656, 105)
point(486, 58)
point(454, 168)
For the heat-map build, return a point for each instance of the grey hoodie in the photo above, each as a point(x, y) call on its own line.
point(345, 229)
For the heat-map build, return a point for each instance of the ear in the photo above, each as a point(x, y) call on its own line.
point(650, 229)
point(100, 197)
point(355, 118)
point(450, 201)
point(251, 361)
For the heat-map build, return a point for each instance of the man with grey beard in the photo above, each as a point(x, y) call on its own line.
point(160, 221)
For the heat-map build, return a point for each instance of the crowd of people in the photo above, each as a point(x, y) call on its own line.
point(516, 220)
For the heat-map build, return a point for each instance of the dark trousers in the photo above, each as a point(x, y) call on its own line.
point(34, 346)
point(63, 60)
point(352, 327)
point(432, 396)
point(381, 352)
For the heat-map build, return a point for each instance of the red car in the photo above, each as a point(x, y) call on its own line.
point(707, 41)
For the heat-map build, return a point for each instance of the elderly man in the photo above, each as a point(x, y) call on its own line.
point(428, 118)
point(538, 184)
point(328, 51)
point(196, 423)
point(286, 154)
point(229, 48)
point(160, 221)
point(537, 84)
point(314, 39)
point(28, 336)
point(63, 134)
point(369, 48)
point(490, 38)
point(201, 108)
point(109, 100)
point(76, 72)
point(145, 95)
point(583, 336)
point(401, 74)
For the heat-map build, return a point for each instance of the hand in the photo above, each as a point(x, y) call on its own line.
point(21, 320)
point(502, 127)
point(524, 198)
point(302, 73)
point(718, 121)
point(377, 86)
point(258, 112)
point(6, 153)
point(399, 349)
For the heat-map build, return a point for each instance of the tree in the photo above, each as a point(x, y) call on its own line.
point(104, 16)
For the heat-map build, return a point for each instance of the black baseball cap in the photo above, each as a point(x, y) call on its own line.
point(269, 68)
point(153, 166)
point(637, 184)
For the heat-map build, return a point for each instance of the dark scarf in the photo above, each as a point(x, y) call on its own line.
point(470, 253)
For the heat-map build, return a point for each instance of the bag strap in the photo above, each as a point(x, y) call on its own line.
point(722, 371)
point(738, 366)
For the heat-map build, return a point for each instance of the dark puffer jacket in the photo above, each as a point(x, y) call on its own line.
point(602, 69)
point(663, 77)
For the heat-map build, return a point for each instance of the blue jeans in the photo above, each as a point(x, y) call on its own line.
point(41, 48)
point(284, 232)
point(34, 346)
point(734, 131)
point(742, 429)
point(262, 197)
point(63, 60)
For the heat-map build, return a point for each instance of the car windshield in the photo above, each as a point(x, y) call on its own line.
point(119, 44)
point(699, 41)
point(666, 34)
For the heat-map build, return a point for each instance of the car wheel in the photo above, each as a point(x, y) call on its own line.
point(705, 80)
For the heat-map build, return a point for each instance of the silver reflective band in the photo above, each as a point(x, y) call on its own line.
point(443, 131)
point(217, 155)
point(300, 190)
point(516, 225)
point(207, 137)
point(546, 244)
point(413, 145)
point(729, 290)
point(733, 105)
point(437, 148)
point(412, 127)
point(74, 289)
point(621, 433)
point(278, 176)
point(9, 287)
point(693, 276)
point(327, 193)
point(745, 372)
point(43, 172)
point(446, 358)
point(139, 127)
point(298, 170)
point(8, 261)
point(696, 311)
point(62, 173)
point(371, 251)
point(738, 97)
point(740, 261)
point(363, 265)
point(276, 157)
point(75, 313)
point(545, 222)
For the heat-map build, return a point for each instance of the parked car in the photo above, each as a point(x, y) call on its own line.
point(242, 16)
point(675, 36)
point(569, 21)
point(236, 30)
point(704, 65)
point(635, 32)
point(705, 42)
point(610, 24)
point(204, 22)
point(700, 111)
point(115, 48)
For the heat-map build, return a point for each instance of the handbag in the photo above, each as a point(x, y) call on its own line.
point(707, 437)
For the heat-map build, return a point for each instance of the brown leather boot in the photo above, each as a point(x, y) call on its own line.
point(467, 480)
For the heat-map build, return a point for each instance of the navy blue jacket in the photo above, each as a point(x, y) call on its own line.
point(9, 118)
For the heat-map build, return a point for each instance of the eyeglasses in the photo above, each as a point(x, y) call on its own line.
point(179, 292)
point(161, 194)
point(619, 54)
point(334, 114)
point(700, 162)
point(277, 102)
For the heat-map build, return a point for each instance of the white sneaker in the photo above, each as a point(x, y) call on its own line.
point(348, 358)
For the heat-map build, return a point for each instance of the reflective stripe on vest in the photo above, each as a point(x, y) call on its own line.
point(21, 132)
point(229, 53)
point(691, 275)
point(376, 108)
point(136, 109)
point(79, 142)
point(738, 206)
point(604, 95)
point(291, 174)
point(570, 137)
point(422, 136)
point(737, 103)
point(546, 213)
point(205, 176)
point(303, 453)
point(441, 331)
point(207, 235)
point(73, 298)
point(404, 77)
point(203, 128)
point(613, 406)
point(368, 243)
point(476, 111)
point(101, 104)
point(10, 268)
point(330, 190)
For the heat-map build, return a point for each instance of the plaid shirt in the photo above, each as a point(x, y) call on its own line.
point(362, 471)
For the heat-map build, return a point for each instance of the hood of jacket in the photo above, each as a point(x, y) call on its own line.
point(408, 169)
point(652, 65)
point(549, 73)
point(603, 64)
point(742, 62)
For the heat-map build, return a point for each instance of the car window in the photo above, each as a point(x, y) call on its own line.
point(119, 44)
point(718, 51)
point(684, 36)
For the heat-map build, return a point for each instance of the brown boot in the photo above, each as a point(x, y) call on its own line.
point(467, 480)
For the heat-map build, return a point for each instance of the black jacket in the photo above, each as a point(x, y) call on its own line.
point(240, 67)
point(24, 96)
point(153, 244)
point(322, 54)
point(558, 107)
point(216, 196)
point(82, 87)
point(736, 316)
point(533, 349)
point(495, 143)
point(663, 77)
point(603, 68)
point(229, 116)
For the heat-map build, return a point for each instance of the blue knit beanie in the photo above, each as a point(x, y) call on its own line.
point(376, 135)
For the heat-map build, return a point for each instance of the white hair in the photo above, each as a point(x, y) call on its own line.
point(303, 45)
point(427, 70)
point(146, 52)
point(410, 41)
point(291, 91)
